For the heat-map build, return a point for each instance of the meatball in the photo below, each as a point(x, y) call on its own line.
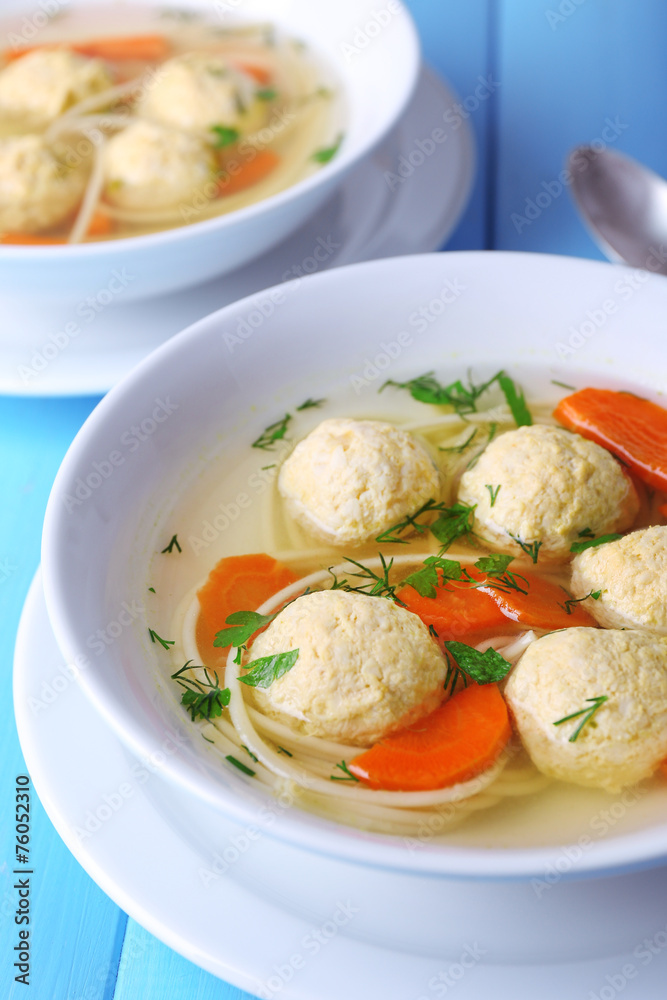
point(36, 190)
point(151, 166)
point(366, 667)
point(349, 480)
point(42, 84)
point(631, 574)
point(198, 90)
point(559, 674)
point(548, 485)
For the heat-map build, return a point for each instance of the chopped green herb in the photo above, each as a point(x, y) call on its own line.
point(393, 533)
point(274, 432)
point(152, 590)
point(264, 671)
point(326, 155)
point(172, 543)
point(204, 699)
point(283, 750)
point(493, 493)
point(225, 136)
point(458, 449)
point(379, 585)
point(483, 668)
point(530, 548)
point(166, 643)
point(348, 776)
point(250, 754)
point(425, 580)
point(241, 767)
point(592, 543)
point(563, 385)
point(515, 401)
point(432, 629)
point(586, 533)
point(207, 739)
point(266, 94)
point(453, 523)
point(239, 654)
point(495, 566)
point(587, 713)
point(310, 404)
point(426, 389)
point(265, 467)
point(568, 606)
point(244, 625)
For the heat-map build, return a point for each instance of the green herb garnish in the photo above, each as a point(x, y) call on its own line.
point(495, 566)
point(515, 401)
point(242, 767)
point(570, 603)
point(326, 155)
point(204, 699)
point(458, 449)
point(483, 668)
point(152, 590)
point(375, 586)
point(250, 754)
point(393, 533)
point(283, 750)
point(426, 389)
point(225, 136)
point(166, 643)
point(453, 523)
point(348, 776)
point(493, 493)
point(266, 669)
point(170, 547)
point(266, 94)
point(243, 624)
point(586, 533)
point(587, 713)
point(425, 581)
point(274, 432)
point(563, 385)
point(310, 404)
point(530, 548)
point(592, 543)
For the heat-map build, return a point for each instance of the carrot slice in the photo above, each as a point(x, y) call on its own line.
point(632, 428)
point(248, 173)
point(259, 73)
point(462, 610)
point(237, 583)
point(148, 47)
point(100, 225)
point(459, 740)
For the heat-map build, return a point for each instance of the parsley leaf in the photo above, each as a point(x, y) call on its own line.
point(326, 155)
point(271, 434)
point(267, 669)
point(515, 401)
point(453, 523)
point(410, 521)
point(592, 543)
point(425, 580)
point(244, 625)
point(224, 136)
point(204, 699)
point(483, 668)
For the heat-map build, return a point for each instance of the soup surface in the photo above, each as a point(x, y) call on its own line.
point(494, 599)
point(120, 120)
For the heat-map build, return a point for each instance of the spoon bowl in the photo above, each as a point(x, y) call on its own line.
point(623, 204)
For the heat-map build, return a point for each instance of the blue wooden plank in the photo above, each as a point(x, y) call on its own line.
point(457, 40)
point(150, 970)
point(76, 929)
point(572, 71)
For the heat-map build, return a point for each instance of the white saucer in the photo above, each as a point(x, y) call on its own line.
point(83, 348)
point(153, 847)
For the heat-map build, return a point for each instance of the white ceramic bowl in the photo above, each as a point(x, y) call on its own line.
point(212, 390)
point(376, 58)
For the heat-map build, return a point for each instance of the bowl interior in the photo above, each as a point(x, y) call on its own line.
point(204, 397)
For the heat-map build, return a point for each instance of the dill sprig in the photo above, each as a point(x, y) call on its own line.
point(165, 643)
point(530, 548)
point(347, 774)
point(588, 713)
point(427, 389)
point(568, 606)
point(204, 699)
point(392, 534)
point(169, 548)
point(274, 432)
point(375, 586)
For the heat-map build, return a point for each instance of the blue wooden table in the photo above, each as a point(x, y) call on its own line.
point(560, 72)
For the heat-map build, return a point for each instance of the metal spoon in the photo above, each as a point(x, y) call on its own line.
point(623, 204)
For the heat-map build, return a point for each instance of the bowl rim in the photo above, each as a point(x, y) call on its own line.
point(626, 852)
point(345, 159)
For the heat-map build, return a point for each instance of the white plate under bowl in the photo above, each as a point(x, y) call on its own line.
point(366, 218)
point(213, 392)
point(157, 853)
point(375, 91)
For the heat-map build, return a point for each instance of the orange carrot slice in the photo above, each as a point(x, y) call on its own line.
point(461, 610)
point(237, 583)
point(258, 73)
point(250, 172)
point(148, 47)
point(631, 428)
point(100, 225)
point(459, 740)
